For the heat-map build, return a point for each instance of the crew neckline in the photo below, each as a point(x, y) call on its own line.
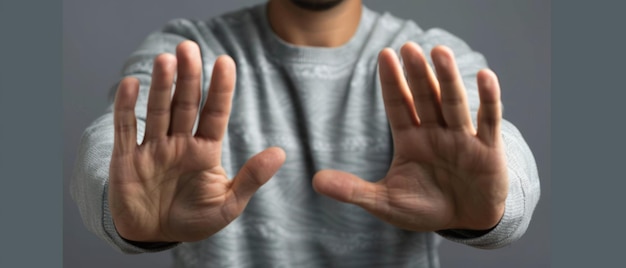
point(284, 51)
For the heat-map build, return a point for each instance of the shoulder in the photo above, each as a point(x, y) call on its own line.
point(213, 35)
point(398, 31)
point(195, 28)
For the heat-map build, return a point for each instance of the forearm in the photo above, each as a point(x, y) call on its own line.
point(90, 181)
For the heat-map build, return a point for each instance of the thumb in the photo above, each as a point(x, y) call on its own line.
point(349, 188)
point(256, 172)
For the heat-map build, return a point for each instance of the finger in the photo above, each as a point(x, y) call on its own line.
point(124, 120)
point(349, 188)
point(216, 111)
point(160, 97)
point(454, 106)
point(187, 93)
point(423, 84)
point(490, 110)
point(256, 172)
point(396, 95)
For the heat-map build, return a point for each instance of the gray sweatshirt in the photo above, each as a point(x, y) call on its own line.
point(324, 107)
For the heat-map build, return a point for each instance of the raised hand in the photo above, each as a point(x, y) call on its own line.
point(172, 187)
point(445, 174)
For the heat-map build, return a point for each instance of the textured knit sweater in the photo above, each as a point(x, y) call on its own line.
point(324, 107)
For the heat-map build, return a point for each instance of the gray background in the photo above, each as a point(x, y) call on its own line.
point(513, 35)
point(30, 137)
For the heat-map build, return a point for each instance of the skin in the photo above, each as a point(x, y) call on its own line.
point(445, 174)
point(304, 27)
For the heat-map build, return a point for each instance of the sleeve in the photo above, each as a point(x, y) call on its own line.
point(524, 190)
point(89, 183)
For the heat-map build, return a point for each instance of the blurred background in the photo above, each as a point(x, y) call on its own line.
point(514, 36)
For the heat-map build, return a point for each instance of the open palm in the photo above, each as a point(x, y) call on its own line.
point(172, 187)
point(445, 174)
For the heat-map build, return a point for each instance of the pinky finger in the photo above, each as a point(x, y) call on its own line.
point(490, 111)
point(124, 116)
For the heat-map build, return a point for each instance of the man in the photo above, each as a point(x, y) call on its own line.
point(339, 133)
